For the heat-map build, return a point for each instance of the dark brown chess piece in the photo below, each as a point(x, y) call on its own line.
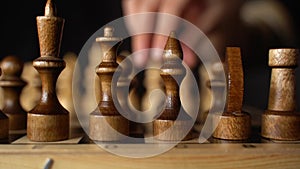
point(233, 124)
point(4, 124)
point(49, 121)
point(12, 86)
point(106, 123)
point(280, 121)
point(169, 126)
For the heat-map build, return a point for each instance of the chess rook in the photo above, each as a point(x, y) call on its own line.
point(106, 123)
point(168, 126)
point(280, 121)
point(12, 86)
point(233, 124)
point(49, 121)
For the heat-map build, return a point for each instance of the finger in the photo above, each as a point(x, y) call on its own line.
point(167, 20)
point(218, 13)
point(140, 42)
point(189, 57)
point(139, 23)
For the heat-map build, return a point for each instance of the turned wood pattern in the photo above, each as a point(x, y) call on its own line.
point(12, 85)
point(49, 121)
point(233, 124)
point(4, 123)
point(171, 71)
point(280, 121)
point(106, 123)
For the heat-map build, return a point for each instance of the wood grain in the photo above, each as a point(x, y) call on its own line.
point(106, 123)
point(12, 86)
point(233, 124)
point(280, 121)
point(187, 156)
point(49, 121)
point(172, 73)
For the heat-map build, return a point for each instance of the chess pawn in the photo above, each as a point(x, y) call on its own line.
point(170, 125)
point(49, 121)
point(280, 121)
point(4, 124)
point(32, 92)
point(106, 123)
point(12, 86)
point(233, 124)
point(123, 95)
point(64, 90)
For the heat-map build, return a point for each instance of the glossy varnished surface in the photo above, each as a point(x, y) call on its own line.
point(233, 124)
point(49, 121)
point(12, 86)
point(280, 121)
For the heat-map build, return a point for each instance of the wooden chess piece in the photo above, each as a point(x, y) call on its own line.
point(12, 86)
point(106, 123)
point(64, 90)
point(169, 126)
point(49, 121)
point(32, 92)
point(233, 124)
point(4, 124)
point(280, 121)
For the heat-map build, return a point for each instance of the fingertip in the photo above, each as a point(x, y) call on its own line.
point(140, 44)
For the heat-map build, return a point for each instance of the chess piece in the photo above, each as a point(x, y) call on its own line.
point(233, 124)
point(4, 124)
point(12, 86)
point(125, 90)
point(280, 121)
point(49, 121)
point(106, 123)
point(64, 89)
point(32, 92)
point(169, 126)
point(152, 81)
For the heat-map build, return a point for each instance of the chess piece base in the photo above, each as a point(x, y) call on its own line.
point(180, 130)
point(232, 127)
point(108, 128)
point(47, 127)
point(281, 125)
point(17, 121)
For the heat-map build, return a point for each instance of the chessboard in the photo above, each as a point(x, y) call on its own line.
point(40, 128)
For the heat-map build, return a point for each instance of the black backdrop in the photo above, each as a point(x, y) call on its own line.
point(84, 17)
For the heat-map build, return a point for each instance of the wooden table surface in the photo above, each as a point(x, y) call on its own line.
point(263, 155)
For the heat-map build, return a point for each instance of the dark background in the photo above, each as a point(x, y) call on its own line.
point(84, 17)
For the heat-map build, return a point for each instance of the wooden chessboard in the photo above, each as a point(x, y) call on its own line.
point(184, 155)
point(80, 152)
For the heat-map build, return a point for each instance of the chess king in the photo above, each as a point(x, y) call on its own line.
point(49, 121)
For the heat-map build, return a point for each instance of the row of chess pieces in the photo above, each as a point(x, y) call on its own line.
point(48, 120)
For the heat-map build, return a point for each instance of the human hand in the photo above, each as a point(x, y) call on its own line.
point(214, 18)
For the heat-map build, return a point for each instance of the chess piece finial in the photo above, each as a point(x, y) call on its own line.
point(49, 121)
point(4, 123)
point(172, 73)
point(233, 124)
point(280, 121)
point(106, 123)
point(12, 86)
point(50, 9)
